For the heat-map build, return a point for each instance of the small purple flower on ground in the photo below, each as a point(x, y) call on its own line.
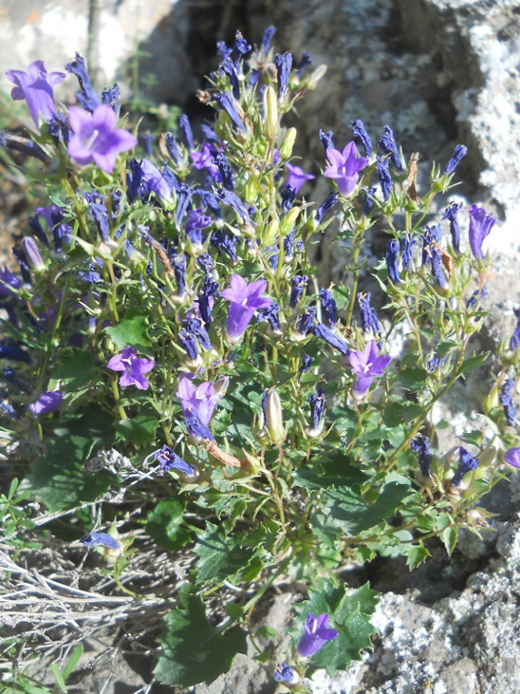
point(421, 446)
point(512, 457)
point(479, 227)
point(297, 177)
point(367, 365)
point(35, 86)
point(47, 402)
point(506, 400)
point(201, 399)
point(133, 368)
point(96, 139)
point(169, 460)
point(385, 180)
point(450, 214)
point(98, 538)
point(344, 167)
point(298, 285)
point(316, 634)
point(459, 152)
point(392, 261)
point(387, 144)
point(329, 307)
point(321, 331)
point(284, 673)
point(87, 97)
point(407, 243)
point(467, 463)
point(245, 300)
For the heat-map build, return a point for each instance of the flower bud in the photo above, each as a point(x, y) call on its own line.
point(486, 458)
point(274, 416)
point(271, 233)
point(287, 223)
point(251, 191)
point(221, 385)
point(316, 76)
point(33, 254)
point(270, 112)
point(288, 142)
point(491, 400)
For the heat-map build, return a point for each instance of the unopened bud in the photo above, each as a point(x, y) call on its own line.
point(271, 233)
point(491, 400)
point(288, 142)
point(485, 459)
point(251, 191)
point(270, 112)
point(316, 76)
point(273, 415)
point(32, 254)
point(221, 385)
point(288, 221)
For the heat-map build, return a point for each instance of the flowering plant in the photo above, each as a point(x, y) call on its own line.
point(167, 308)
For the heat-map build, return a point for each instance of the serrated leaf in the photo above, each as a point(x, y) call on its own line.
point(354, 515)
point(220, 555)
point(192, 650)
point(131, 331)
point(164, 524)
point(449, 538)
point(349, 615)
point(75, 371)
point(413, 379)
point(141, 429)
point(444, 347)
point(416, 555)
point(474, 437)
point(473, 363)
point(331, 476)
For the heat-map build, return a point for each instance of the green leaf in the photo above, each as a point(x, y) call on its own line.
point(58, 677)
point(131, 331)
point(349, 615)
point(474, 437)
point(474, 362)
point(354, 515)
point(331, 476)
point(192, 650)
point(413, 379)
point(266, 632)
point(444, 347)
point(416, 555)
point(73, 661)
point(57, 478)
point(75, 371)
point(141, 429)
point(164, 524)
point(449, 538)
point(220, 555)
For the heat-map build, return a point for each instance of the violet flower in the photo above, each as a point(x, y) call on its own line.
point(271, 314)
point(316, 634)
point(133, 368)
point(326, 139)
point(333, 340)
point(287, 194)
point(421, 446)
point(267, 37)
point(206, 160)
point(87, 97)
point(14, 353)
point(459, 152)
point(306, 322)
point(298, 285)
point(407, 243)
point(329, 307)
point(344, 167)
point(98, 538)
point(361, 136)
point(153, 180)
point(227, 103)
point(245, 300)
point(47, 402)
point(325, 206)
point(226, 172)
point(392, 261)
point(387, 144)
point(369, 319)
point(96, 139)
point(307, 363)
point(451, 213)
point(35, 86)
point(8, 283)
point(474, 298)
point(285, 674)
point(169, 460)
point(184, 125)
point(515, 337)
point(512, 457)
point(385, 180)
point(367, 365)
point(228, 67)
point(506, 400)
point(317, 402)
point(297, 177)
point(201, 399)
point(283, 72)
point(479, 227)
point(224, 242)
point(467, 463)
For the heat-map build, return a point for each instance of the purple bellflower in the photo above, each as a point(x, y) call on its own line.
point(59, 129)
point(184, 196)
point(227, 197)
point(87, 97)
point(471, 303)
point(111, 97)
point(14, 353)
point(329, 307)
point(316, 634)
point(367, 365)
point(317, 402)
point(437, 272)
point(283, 72)
point(297, 177)
point(506, 400)
point(184, 125)
point(172, 147)
point(307, 363)
point(47, 402)
point(98, 538)
point(467, 463)
point(8, 283)
point(451, 213)
point(512, 457)
point(369, 319)
point(287, 194)
point(270, 314)
point(306, 60)
point(228, 67)
point(326, 139)
point(35, 86)
point(153, 181)
point(344, 167)
point(329, 203)
point(361, 136)
point(201, 399)
point(96, 139)
point(407, 243)
point(224, 242)
point(132, 367)
point(421, 446)
point(298, 285)
point(12, 377)
point(206, 160)
point(479, 227)
point(32, 254)
point(459, 152)
point(392, 261)
point(322, 332)
point(306, 321)
point(387, 144)
point(245, 300)
point(369, 201)
point(431, 235)
point(385, 180)
point(169, 460)
point(515, 337)
point(226, 172)
point(20, 256)
point(226, 102)
point(267, 37)
point(285, 674)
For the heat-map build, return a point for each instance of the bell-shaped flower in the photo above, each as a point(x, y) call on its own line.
point(316, 634)
point(35, 86)
point(133, 368)
point(367, 365)
point(201, 399)
point(344, 167)
point(245, 300)
point(297, 177)
point(96, 138)
point(479, 227)
point(47, 402)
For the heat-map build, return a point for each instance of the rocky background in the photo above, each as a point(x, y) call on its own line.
point(440, 72)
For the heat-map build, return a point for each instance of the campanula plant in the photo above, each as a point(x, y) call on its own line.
point(166, 308)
